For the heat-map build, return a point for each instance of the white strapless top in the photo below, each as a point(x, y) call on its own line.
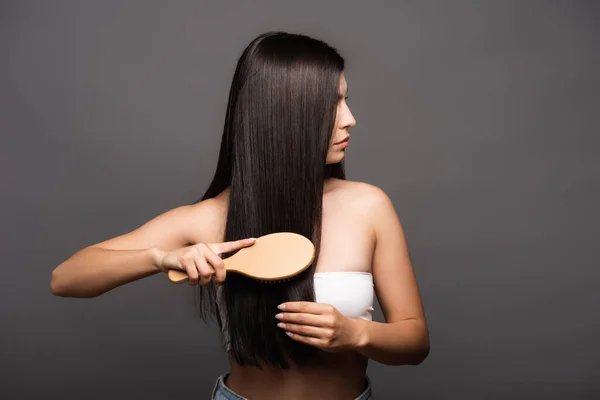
point(351, 293)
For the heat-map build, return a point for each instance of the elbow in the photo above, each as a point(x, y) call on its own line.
point(57, 285)
point(415, 357)
point(63, 285)
point(420, 355)
point(66, 281)
point(422, 351)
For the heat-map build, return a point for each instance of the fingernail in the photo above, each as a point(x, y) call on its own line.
point(281, 306)
point(281, 324)
point(279, 316)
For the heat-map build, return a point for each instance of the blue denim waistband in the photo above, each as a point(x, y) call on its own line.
point(222, 392)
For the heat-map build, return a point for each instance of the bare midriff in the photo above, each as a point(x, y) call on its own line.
point(330, 376)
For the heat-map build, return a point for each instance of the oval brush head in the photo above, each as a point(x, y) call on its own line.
point(275, 257)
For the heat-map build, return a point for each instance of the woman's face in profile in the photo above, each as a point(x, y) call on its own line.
point(343, 120)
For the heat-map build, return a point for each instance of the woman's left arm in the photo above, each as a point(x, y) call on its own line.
point(404, 337)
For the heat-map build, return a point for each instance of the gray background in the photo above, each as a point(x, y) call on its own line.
point(479, 119)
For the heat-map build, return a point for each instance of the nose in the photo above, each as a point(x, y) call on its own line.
point(349, 120)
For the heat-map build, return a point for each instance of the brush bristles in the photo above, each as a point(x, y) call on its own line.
point(274, 280)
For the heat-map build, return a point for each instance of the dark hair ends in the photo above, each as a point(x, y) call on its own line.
point(279, 121)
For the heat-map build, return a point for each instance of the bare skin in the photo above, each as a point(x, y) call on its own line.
point(360, 232)
point(347, 244)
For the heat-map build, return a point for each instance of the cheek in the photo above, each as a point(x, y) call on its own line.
point(337, 118)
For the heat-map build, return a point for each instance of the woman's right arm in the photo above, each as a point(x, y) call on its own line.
point(99, 268)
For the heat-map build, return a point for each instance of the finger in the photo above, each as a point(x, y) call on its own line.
point(227, 247)
point(305, 319)
point(312, 341)
point(205, 270)
point(192, 271)
point(307, 307)
point(305, 330)
point(217, 265)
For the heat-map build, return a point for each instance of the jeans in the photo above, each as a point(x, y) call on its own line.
point(222, 392)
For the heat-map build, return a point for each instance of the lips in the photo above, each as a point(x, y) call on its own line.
point(345, 140)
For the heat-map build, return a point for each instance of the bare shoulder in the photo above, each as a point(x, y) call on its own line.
point(368, 205)
point(362, 194)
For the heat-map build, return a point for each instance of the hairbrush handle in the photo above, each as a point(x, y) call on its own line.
point(273, 257)
point(177, 275)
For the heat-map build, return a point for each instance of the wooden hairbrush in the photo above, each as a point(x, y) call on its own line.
point(274, 257)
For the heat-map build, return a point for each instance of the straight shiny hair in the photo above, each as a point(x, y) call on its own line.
point(278, 125)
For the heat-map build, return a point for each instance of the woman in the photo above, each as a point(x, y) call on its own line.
point(280, 168)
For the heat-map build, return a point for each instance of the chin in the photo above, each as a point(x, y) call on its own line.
point(335, 158)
